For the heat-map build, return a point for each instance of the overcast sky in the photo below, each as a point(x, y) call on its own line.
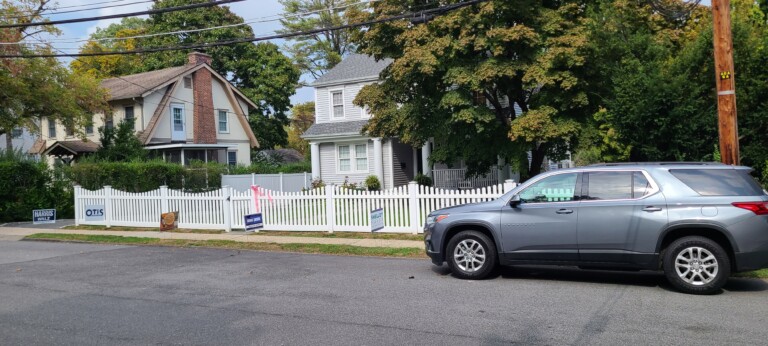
point(249, 10)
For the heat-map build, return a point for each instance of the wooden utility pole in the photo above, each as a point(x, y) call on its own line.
point(726, 84)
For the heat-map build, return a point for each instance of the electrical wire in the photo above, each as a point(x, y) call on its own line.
point(423, 13)
point(81, 10)
point(122, 15)
point(274, 18)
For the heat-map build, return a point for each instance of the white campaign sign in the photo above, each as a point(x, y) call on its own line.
point(377, 219)
point(94, 212)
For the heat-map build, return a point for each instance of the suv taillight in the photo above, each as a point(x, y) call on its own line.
point(759, 208)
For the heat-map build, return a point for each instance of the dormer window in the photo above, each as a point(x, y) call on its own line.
point(337, 104)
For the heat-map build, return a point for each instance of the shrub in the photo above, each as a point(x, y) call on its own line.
point(422, 179)
point(372, 183)
point(26, 185)
point(147, 176)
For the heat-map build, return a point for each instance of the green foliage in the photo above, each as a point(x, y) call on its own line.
point(120, 144)
point(106, 66)
point(422, 179)
point(302, 117)
point(267, 167)
point(26, 185)
point(146, 176)
point(372, 183)
point(316, 54)
point(448, 70)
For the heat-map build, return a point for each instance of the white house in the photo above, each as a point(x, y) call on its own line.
point(181, 113)
point(341, 152)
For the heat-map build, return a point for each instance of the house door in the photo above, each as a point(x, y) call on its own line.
point(178, 132)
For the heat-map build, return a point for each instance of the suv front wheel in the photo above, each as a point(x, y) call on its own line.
point(696, 265)
point(471, 255)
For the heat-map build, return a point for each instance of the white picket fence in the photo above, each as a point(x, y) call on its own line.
point(330, 208)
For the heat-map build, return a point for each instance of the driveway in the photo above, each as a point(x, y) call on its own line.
point(54, 293)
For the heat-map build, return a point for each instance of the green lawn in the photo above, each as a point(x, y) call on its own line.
point(141, 229)
point(318, 234)
point(346, 250)
point(761, 274)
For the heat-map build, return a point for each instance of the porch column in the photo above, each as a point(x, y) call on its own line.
point(378, 167)
point(426, 151)
point(314, 152)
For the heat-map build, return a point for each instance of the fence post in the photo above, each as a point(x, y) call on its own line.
point(226, 199)
point(108, 205)
point(413, 204)
point(77, 204)
point(164, 199)
point(253, 179)
point(281, 181)
point(509, 184)
point(330, 208)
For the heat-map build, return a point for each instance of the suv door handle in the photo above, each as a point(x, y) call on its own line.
point(651, 209)
point(565, 211)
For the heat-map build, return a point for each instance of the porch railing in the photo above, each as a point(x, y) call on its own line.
point(453, 179)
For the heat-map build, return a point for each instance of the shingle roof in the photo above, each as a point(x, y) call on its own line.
point(137, 84)
point(335, 128)
point(72, 147)
point(355, 66)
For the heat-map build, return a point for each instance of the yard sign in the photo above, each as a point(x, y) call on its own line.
point(377, 219)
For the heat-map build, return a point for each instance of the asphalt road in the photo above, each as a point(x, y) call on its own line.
point(52, 293)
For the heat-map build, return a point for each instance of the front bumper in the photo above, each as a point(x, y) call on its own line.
point(432, 251)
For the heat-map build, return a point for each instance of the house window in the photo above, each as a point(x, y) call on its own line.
point(232, 158)
point(353, 158)
point(337, 102)
point(188, 82)
point(70, 131)
point(129, 113)
point(89, 129)
point(108, 123)
point(223, 125)
point(16, 133)
point(51, 128)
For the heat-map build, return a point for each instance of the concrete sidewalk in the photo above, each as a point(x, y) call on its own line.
point(16, 233)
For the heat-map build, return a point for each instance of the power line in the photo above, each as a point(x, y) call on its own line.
point(274, 18)
point(85, 5)
point(82, 10)
point(122, 15)
point(422, 13)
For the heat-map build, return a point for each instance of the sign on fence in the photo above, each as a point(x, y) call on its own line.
point(40, 216)
point(253, 222)
point(169, 221)
point(377, 219)
point(94, 212)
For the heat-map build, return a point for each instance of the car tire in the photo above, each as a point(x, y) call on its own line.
point(471, 255)
point(696, 265)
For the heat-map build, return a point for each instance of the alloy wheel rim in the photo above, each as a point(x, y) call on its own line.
point(696, 266)
point(469, 255)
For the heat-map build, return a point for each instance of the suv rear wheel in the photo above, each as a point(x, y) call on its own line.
point(696, 265)
point(471, 255)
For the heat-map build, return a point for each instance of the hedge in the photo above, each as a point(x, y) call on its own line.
point(27, 185)
point(146, 176)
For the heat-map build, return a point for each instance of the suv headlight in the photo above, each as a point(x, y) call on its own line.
point(434, 219)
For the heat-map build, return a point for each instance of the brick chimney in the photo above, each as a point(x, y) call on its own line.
point(196, 58)
point(204, 126)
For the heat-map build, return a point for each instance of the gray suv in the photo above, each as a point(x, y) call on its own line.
point(698, 222)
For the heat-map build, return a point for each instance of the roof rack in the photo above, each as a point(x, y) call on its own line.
point(661, 163)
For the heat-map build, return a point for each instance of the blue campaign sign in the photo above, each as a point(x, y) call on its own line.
point(40, 216)
point(377, 219)
point(253, 222)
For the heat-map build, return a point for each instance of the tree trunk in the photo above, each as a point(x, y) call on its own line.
point(537, 159)
point(9, 142)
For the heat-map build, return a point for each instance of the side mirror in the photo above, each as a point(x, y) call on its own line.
point(515, 201)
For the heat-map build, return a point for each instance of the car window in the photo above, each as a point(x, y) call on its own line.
point(557, 188)
point(640, 185)
point(719, 182)
point(609, 185)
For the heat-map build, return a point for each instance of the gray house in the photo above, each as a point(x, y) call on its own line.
point(339, 151)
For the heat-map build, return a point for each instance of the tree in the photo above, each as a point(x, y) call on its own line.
point(302, 117)
point(447, 71)
point(120, 144)
point(318, 53)
point(105, 66)
point(38, 87)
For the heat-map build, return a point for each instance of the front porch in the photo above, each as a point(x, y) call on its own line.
point(454, 179)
